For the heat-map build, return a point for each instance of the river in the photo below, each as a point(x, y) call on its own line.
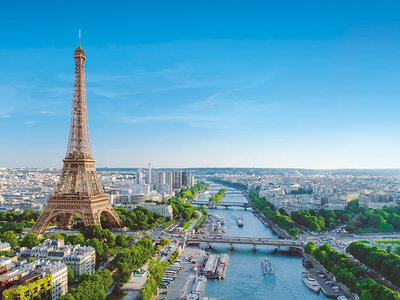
point(244, 277)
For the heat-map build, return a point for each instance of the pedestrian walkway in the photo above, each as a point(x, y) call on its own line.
point(135, 284)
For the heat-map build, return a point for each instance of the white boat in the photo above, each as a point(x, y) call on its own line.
point(224, 258)
point(267, 266)
point(221, 270)
point(310, 282)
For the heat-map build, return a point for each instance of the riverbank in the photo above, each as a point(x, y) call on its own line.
point(183, 285)
point(271, 225)
point(328, 281)
point(267, 222)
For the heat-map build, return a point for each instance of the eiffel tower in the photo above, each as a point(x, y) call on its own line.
point(78, 191)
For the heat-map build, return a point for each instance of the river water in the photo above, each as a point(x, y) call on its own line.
point(244, 278)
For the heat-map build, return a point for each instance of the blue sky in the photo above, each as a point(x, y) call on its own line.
point(304, 84)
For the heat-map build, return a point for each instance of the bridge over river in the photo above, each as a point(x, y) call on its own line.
point(231, 240)
point(225, 204)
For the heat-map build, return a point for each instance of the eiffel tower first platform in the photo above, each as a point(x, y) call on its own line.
point(78, 191)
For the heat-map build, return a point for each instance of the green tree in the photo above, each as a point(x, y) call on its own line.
point(71, 274)
point(75, 239)
point(58, 236)
point(6, 253)
point(121, 240)
point(93, 287)
point(164, 242)
point(310, 247)
point(109, 237)
point(384, 226)
point(293, 231)
point(92, 232)
point(67, 296)
point(9, 237)
point(30, 240)
point(186, 214)
point(123, 272)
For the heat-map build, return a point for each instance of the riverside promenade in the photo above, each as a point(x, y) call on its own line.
point(328, 281)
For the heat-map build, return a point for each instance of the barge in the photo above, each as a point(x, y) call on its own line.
point(267, 266)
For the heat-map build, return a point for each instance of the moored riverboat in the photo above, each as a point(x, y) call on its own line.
point(310, 282)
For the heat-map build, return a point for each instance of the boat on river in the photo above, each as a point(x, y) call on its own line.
point(220, 272)
point(310, 282)
point(224, 258)
point(267, 266)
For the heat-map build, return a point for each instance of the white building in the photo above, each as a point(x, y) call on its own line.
point(5, 247)
point(139, 177)
point(4, 261)
point(59, 274)
point(80, 259)
point(140, 189)
point(163, 209)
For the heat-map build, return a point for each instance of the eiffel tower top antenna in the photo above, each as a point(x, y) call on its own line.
point(79, 36)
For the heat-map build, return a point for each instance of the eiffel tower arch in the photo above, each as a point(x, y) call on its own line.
point(78, 191)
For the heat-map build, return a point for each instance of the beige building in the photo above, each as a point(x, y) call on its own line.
point(376, 200)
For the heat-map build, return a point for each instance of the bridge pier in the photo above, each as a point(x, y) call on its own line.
point(209, 246)
point(278, 248)
point(254, 249)
point(231, 247)
point(295, 251)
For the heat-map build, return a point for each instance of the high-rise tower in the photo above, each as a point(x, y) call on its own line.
point(78, 191)
point(149, 178)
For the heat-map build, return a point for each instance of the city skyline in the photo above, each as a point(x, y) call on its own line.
point(211, 85)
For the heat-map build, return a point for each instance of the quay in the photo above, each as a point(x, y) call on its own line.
point(328, 281)
point(188, 281)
